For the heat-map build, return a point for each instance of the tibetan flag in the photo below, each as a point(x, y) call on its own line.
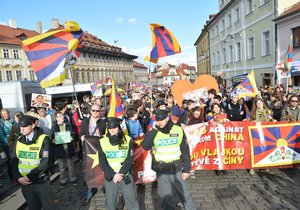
point(115, 106)
point(289, 56)
point(247, 88)
point(151, 121)
point(53, 53)
point(96, 88)
point(274, 144)
point(164, 43)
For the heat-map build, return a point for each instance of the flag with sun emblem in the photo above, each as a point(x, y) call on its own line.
point(53, 53)
point(94, 176)
point(275, 144)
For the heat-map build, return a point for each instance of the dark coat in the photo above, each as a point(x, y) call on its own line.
point(58, 149)
point(84, 129)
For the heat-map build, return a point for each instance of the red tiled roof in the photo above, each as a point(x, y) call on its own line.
point(13, 36)
point(179, 70)
point(140, 65)
point(289, 11)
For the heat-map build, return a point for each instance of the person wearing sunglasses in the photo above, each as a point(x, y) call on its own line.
point(92, 127)
point(291, 112)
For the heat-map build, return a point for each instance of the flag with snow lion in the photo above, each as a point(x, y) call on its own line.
point(274, 144)
point(53, 53)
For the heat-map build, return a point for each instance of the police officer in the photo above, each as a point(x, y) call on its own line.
point(116, 160)
point(171, 159)
point(31, 159)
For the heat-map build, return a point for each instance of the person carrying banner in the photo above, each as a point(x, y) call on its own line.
point(216, 116)
point(171, 159)
point(260, 113)
point(92, 127)
point(116, 160)
point(31, 160)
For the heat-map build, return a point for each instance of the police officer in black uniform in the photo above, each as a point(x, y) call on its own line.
point(31, 160)
point(170, 160)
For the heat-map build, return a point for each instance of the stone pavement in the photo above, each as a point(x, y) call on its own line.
point(236, 190)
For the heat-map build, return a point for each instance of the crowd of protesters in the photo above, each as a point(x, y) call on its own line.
point(87, 119)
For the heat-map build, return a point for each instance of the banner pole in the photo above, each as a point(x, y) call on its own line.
point(76, 98)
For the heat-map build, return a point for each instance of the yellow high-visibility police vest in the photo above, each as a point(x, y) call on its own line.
point(115, 154)
point(167, 146)
point(29, 155)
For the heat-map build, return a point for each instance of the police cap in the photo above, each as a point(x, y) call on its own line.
point(160, 103)
point(160, 114)
point(113, 122)
point(26, 120)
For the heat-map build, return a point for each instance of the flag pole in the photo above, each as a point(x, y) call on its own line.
point(76, 98)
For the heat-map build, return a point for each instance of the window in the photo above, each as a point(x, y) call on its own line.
point(213, 59)
point(77, 77)
point(9, 76)
point(5, 53)
point(16, 54)
point(217, 30)
point(238, 51)
point(229, 20)
point(230, 60)
point(31, 75)
point(83, 77)
point(88, 77)
point(249, 6)
point(212, 32)
point(263, 2)
point(223, 24)
point(19, 75)
point(224, 55)
point(266, 43)
point(218, 58)
point(251, 48)
point(237, 14)
point(296, 37)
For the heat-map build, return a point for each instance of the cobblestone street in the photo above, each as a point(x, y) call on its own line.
point(236, 190)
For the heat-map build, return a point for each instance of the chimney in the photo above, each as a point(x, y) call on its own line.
point(54, 23)
point(39, 28)
point(12, 23)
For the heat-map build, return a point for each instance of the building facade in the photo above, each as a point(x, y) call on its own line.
point(97, 60)
point(167, 74)
point(288, 22)
point(14, 64)
point(242, 38)
point(140, 72)
point(203, 50)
